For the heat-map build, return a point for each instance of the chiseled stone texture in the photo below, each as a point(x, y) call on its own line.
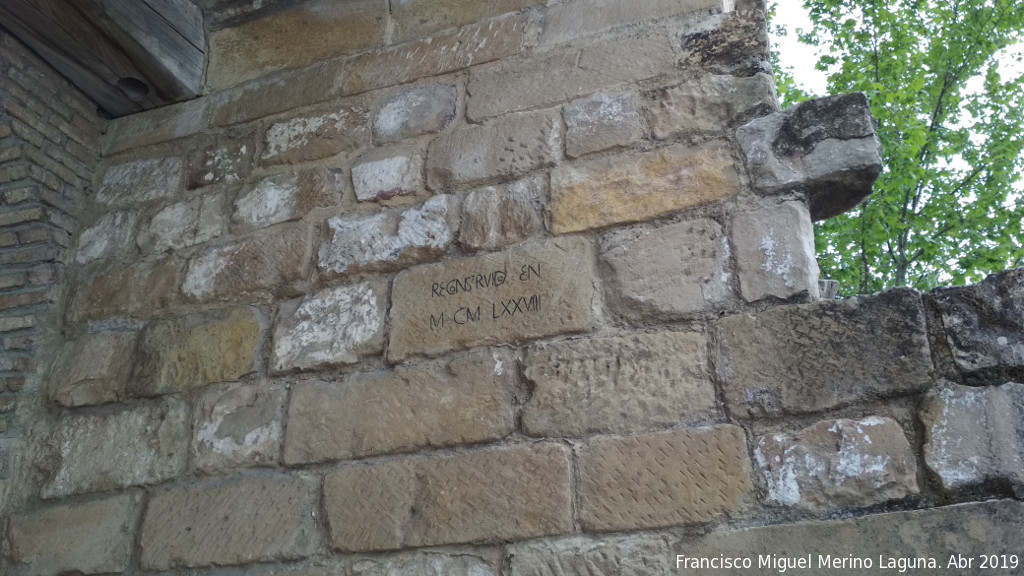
point(682, 477)
point(189, 352)
point(618, 385)
point(110, 237)
point(93, 369)
point(253, 518)
point(503, 493)
point(138, 289)
point(316, 135)
point(93, 537)
point(421, 18)
point(710, 104)
point(506, 148)
point(646, 555)
point(271, 261)
point(632, 188)
point(467, 400)
point(984, 327)
point(382, 174)
point(428, 564)
point(238, 425)
point(497, 216)
point(182, 224)
point(154, 126)
point(974, 434)
point(536, 289)
point(223, 162)
point(838, 463)
point(389, 240)
point(668, 272)
point(140, 181)
point(136, 446)
point(331, 327)
point(774, 362)
point(569, 20)
point(601, 122)
point(775, 252)
point(276, 92)
point(286, 196)
point(421, 110)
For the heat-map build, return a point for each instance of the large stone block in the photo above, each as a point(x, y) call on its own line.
point(137, 446)
point(799, 359)
point(490, 495)
point(140, 181)
point(984, 327)
point(286, 196)
point(554, 77)
point(735, 42)
point(601, 122)
point(269, 261)
point(316, 135)
point(537, 289)
point(186, 353)
point(331, 327)
point(93, 537)
point(507, 148)
point(711, 104)
point(975, 434)
point(421, 18)
point(421, 110)
point(110, 237)
point(470, 563)
point(236, 521)
point(642, 555)
point(775, 252)
point(182, 224)
point(389, 240)
point(302, 35)
point(382, 174)
point(93, 369)
point(139, 289)
point(667, 273)
point(226, 161)
point(838, 463)
point(665, 479)
point(497, 216)
point(618, 385)
point(154, 126)
point(238, 425)
point(273, 93)
point(467, 400)
point(569, 20)
point(639, 187)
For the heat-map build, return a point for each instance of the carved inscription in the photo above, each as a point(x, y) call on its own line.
point(535, 290)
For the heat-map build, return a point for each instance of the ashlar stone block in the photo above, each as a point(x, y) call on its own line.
point(498, 216)
point(93, 369)
point(140, 181)
point(238, 425)
point(421, 110)
point(775, 252)
point(316, 135)
point(601, 122)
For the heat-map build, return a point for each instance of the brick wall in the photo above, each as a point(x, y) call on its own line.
point(503, 288)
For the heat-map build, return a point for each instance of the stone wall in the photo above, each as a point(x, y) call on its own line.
point(504, 288)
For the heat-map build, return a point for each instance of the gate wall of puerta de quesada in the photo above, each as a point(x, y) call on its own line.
point(477, 288)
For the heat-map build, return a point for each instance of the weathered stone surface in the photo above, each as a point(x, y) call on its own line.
point(182, 354)
point(140, 181)
point(984, 327)
point(428, 564)
point(93, 369)
point(383, 174)
point(421, 18)
point(975, 434)
point(710, 104)
point(110, 237)
point(838, 463)
point(467, 400)
point(730, 43)
point(668, 272)
point(133, 447)
point(316, 135)
point(238, 425)
point(639, 187)
point(226, 162)
point(647, 555)
point(569, 20)
point(237, 521)
point(537, 289)
point(497, 216)
point(964, 531)
point(421, 110)
point(507, 148)
point(287, 196)
point(665, 479)
point(266, 262)
point(182, 224)
point(139, 289)
point(825, 147)
point(331, 327)
point(279, 92)
point(773, 362)
point(441, 54)
point(775, 252)
point(154, 126)
point(389, 240)
point(93, 537)
point(537, 81)
point(327, 28)
point(599, 123)
point(489, 495)
point(618, 385)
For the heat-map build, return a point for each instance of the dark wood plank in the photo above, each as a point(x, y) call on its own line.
point(183, 16)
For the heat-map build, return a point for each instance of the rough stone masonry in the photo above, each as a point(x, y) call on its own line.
point(484, 288)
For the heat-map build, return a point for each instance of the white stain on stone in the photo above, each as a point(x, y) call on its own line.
point(387, 177)
point(776, 261)
point(200, 280)
point(783, 487)
point(498, 368)
point(394, 115)
point(271, 200)
point(112, 234)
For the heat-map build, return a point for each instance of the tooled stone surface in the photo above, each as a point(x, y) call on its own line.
point(710, 104)
point(617, 385)
point(286, 196)
point(497, 216)
point(420, 110)
point(775, 252)
point(316, 135)
point(238, 425)
point(140, 181)
point(601, 122)
point(93, 369)
point(470, 563)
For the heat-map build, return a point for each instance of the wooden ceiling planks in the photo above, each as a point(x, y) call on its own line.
point(127, 55)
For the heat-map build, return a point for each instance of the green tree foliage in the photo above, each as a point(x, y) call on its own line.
point(944, 209)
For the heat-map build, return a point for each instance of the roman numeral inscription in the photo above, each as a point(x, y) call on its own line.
point(534, 290)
